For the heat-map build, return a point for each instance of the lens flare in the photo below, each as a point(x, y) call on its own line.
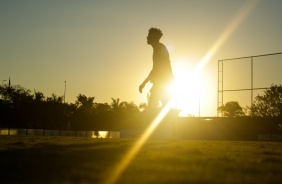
point(134, 150)
point(238, 18)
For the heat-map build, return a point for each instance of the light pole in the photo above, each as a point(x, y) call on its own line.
point(199, 106)
point(65, 92)
point(199, 102)
point(3, 81)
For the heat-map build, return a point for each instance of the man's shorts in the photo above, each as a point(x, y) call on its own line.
point(159, 93)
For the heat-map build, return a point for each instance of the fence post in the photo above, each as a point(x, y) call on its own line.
point(252, 80)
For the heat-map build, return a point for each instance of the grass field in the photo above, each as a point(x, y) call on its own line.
point(27, 159)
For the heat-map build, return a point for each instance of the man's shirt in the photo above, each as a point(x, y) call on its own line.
point(161, 74)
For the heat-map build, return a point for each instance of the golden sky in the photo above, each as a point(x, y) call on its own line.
point(99, 47)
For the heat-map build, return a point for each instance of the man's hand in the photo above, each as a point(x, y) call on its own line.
point(141, 87)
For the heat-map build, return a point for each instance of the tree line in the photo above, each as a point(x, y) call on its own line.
point(20, 108)
point(268, 104)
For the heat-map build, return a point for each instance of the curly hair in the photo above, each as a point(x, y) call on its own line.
point(155, 32)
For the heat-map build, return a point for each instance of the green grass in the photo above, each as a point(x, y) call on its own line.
point(27, 159)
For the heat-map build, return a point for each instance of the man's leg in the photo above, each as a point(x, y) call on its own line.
point(169, 125)
point(153, 103)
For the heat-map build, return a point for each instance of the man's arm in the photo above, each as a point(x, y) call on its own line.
point(145, 82)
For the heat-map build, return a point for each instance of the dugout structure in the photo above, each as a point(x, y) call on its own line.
point(241, 79)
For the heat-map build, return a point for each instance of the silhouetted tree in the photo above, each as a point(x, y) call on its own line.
point(15, 94)
point(103, 116)
point(116, 105)
point(85, 103)
point(17, 102)
point(38, 110)
point(269, 104)
point(19, 108)
point(130, 107)
point(84, 114)
point(54, 98)
point(102, 108)
point(231, 109)
point(39, 96)
point(125, 114)
point(132, 115)
point(54, 113)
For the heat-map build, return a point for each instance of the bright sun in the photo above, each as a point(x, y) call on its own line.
point(187, 91)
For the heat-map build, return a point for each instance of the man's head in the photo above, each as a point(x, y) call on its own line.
point(154, 35)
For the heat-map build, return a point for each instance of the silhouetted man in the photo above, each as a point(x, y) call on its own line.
point(161, 75)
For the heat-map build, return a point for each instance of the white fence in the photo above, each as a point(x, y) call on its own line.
point(42, 132)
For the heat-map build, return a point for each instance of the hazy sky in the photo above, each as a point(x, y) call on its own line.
point(99, 47)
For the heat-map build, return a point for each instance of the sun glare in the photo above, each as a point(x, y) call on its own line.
point(100, 134)
point(187, 90)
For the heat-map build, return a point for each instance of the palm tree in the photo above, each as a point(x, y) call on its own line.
point(38, 96)
point(116, 105)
